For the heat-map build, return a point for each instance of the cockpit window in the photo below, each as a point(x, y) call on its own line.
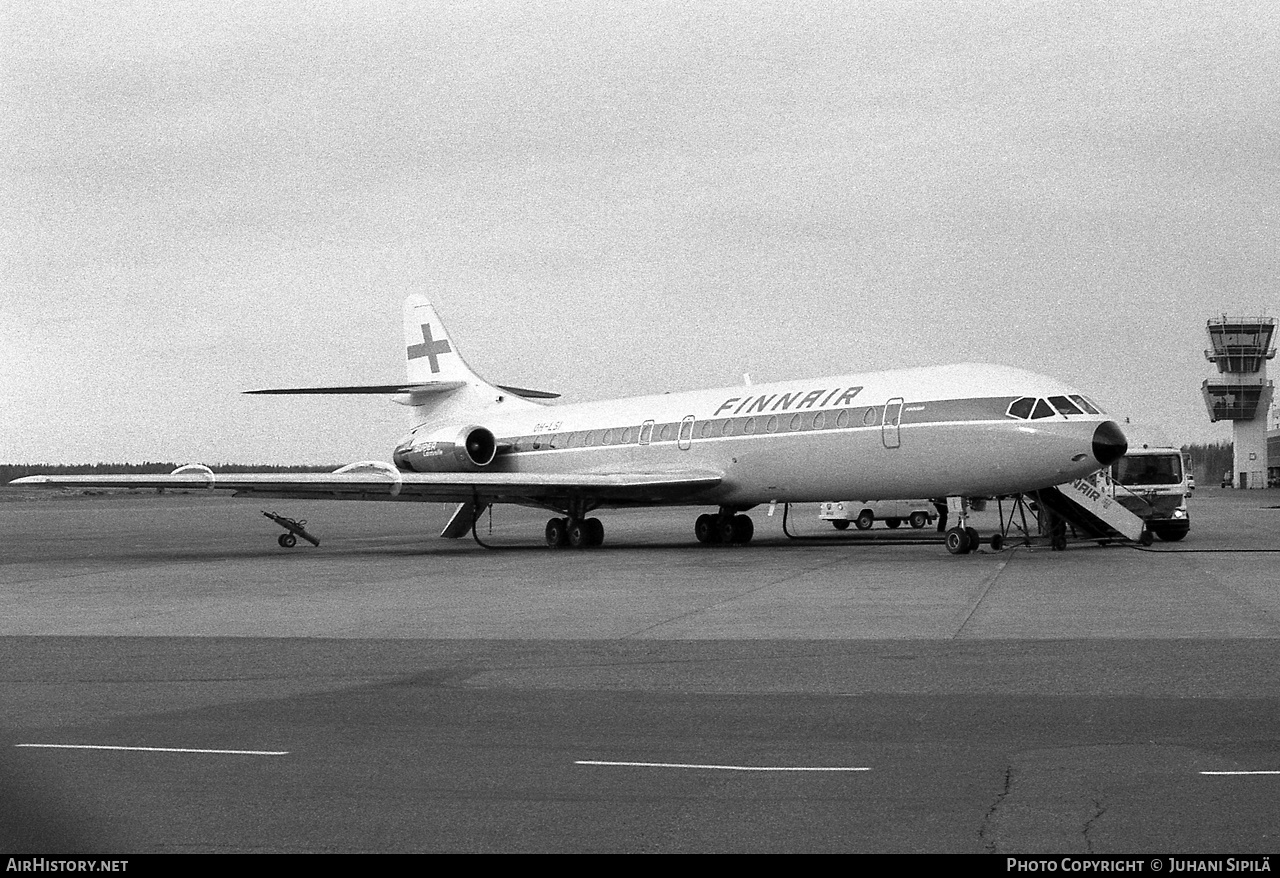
point(1030, 408)
point(1021, 408)
point(1085, 404)
point(1065, 406)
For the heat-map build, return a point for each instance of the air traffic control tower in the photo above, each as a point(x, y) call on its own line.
point(1241, 348)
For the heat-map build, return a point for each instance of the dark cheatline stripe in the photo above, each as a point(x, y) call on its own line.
point(805, 421)
point(946, 410)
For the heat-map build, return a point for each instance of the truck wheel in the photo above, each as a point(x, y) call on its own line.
point(840, 524)
point(893, 522)
point(919, 520)
point(864, 519)
point(1171, 536)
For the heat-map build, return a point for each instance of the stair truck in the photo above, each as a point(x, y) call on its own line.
point(1151, 482)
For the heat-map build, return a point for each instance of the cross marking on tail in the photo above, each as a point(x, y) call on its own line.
point(429, 348)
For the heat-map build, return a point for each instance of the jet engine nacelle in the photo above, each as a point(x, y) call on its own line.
point(452, 450)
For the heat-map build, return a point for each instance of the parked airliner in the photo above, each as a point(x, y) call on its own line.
point(945, 432)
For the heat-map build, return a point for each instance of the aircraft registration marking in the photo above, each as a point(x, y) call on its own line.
point(724, 767)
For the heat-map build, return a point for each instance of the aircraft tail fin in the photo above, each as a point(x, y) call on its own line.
point(431, 353)
point(433, 359)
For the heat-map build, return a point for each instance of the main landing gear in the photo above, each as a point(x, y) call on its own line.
point(579, 533)
point(724, 528)
point(574, 528)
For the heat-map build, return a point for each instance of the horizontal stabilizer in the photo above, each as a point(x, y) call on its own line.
point(385, 389)
point(529, 394)
point(423, 388)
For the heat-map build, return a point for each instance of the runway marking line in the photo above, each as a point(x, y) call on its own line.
point(721, 767)
point(1239, 772)
point(157, 749)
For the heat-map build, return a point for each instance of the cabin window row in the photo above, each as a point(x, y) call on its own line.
point(1029, 408)
point(796, 422)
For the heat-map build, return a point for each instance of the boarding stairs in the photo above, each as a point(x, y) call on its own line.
point(1088, 506)
point(1091, 509)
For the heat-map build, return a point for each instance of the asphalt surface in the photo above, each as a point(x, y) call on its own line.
point(396, 692)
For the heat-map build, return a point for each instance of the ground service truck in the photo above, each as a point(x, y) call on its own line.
point(1151, 482)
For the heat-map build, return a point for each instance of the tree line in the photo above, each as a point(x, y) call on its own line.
point(1210, 460)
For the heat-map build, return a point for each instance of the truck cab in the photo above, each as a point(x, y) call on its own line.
point(1152, 483)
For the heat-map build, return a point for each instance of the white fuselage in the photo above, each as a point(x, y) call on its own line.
point(923, 432)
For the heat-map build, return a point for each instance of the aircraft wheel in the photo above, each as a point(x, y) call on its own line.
point(557, 532)
point(705, 528)
point(579, 533)
point(840, 524)
point(595, 528)
point(864, 519)
point(893, 523)
point(1058, 543)
point(727, 529)
point(958, 541)
point(974, 539)
point(287, 541)
point(997, 542)
point(743, 529)
point(918, 520)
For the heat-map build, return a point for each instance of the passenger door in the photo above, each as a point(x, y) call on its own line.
point(685, 439)
point(890, 424)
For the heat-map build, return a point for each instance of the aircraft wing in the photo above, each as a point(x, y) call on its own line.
point(387, 484)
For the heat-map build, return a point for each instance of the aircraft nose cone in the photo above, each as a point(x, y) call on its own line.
point(1109, 444)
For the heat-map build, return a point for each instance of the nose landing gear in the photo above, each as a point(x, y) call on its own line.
point(962, 539)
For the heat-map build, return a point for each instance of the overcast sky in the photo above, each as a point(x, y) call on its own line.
point(613, 198)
